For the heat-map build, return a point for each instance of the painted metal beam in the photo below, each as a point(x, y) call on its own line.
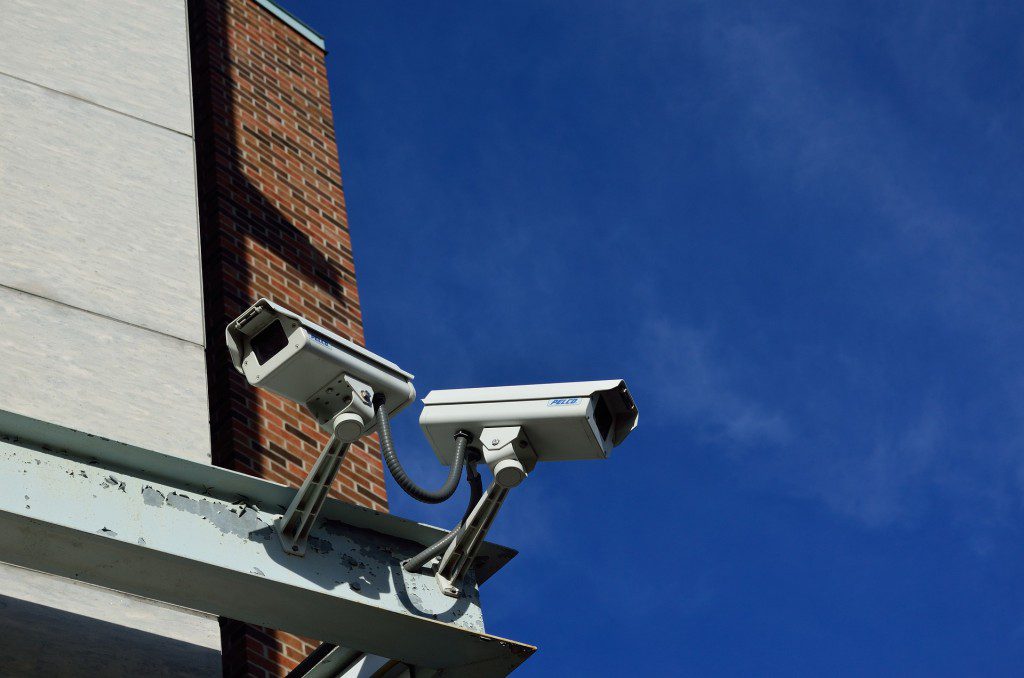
point(202, 537)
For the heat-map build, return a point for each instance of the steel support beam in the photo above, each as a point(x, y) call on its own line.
point(202, 537)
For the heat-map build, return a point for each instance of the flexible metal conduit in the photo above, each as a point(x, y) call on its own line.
point(387, 447)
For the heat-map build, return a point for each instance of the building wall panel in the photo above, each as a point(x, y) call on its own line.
point(100, 295)
point(103, 377)
point(99, 211)
point(53, 626)
point(128, 55)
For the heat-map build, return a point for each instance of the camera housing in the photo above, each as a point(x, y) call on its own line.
point(283, 352)
point(515, 427)
point(562, 422)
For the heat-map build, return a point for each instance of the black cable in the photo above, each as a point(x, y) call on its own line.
point(476, 483)
point(387, 447)
point(476, 491)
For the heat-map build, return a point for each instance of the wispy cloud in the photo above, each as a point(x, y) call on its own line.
point(695, 389)
point(797, 125)
point(804, 123)
point(887, 480)
point(880, 471)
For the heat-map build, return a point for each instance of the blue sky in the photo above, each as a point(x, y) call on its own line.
point(795, 230)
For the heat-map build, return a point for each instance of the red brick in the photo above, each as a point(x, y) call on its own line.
point(273, 223)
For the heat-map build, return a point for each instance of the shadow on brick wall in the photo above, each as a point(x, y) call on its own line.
point(253, 248)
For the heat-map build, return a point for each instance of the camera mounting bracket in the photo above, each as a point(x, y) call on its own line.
point(509, 454)
point(348, 424)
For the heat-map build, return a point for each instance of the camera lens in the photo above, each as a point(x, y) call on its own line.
point(603, 417)
point(269, 342)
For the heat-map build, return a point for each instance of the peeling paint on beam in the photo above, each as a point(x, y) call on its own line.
point(203, 479)
point(193, 544)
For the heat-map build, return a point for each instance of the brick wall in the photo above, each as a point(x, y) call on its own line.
point(273, 224)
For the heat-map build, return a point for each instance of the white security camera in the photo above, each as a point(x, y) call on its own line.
point(283, 352)
point(516, 427)
point(554, 422)
point(337, 380)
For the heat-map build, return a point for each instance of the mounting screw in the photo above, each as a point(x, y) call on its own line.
point(295, 548)
point(365, 395)
point(495, 442)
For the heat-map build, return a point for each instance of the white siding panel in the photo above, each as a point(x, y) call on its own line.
point(99, 211)
point(129, 55)
point(101, 324)
point(51, 626)
point(103, 377)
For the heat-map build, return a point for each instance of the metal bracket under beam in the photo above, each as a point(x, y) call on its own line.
point(332, 661)
point(202, 537)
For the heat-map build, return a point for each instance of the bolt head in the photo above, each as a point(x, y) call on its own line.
point(495, 441)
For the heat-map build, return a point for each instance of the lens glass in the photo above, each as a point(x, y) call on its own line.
point(603, 417)
point(269, 342)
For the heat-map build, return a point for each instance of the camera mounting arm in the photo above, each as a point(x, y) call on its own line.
point(510, 456)
point(294, 527)
point(348, 425)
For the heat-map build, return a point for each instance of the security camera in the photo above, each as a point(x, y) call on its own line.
point(337, 380)
point(342, 384)
point(560, 422)
point(516, 427)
